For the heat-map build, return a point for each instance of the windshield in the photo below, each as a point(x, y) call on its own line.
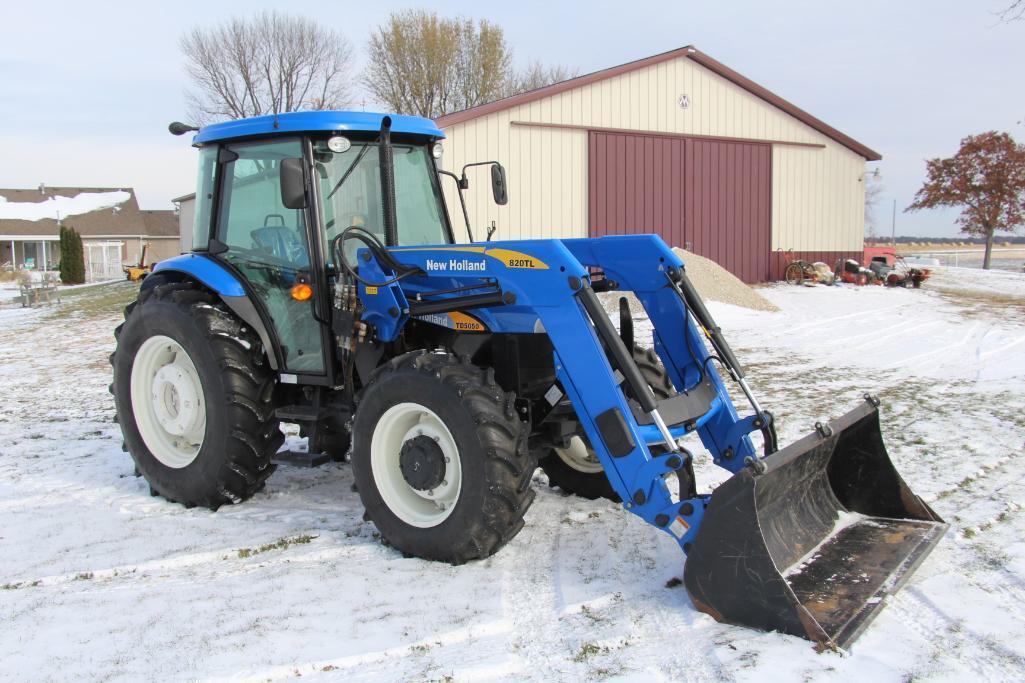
point(357, 200)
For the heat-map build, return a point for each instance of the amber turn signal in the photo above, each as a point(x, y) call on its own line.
point(302, 292)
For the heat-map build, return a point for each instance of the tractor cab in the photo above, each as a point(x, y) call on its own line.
point(278, 192)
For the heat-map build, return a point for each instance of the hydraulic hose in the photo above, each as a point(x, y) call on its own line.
point(382, 255)
point(693, 303)
point(684, 287)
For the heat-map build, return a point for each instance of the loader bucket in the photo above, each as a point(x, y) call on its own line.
point(813, 544)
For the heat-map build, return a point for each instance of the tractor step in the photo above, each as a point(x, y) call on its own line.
point(298, 413)
point(301, 458)
point(684, 408)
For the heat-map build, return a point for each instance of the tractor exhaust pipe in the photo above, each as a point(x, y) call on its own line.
point(387, 164)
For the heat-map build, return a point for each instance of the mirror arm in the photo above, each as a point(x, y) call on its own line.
point(494, 165)
point(478, 163)
point(462, 200)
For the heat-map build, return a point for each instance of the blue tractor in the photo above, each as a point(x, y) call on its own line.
point(326, 287)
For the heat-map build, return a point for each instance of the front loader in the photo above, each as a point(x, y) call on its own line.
point(326, 288)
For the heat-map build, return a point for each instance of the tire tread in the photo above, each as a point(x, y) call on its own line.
point(248, 392)
point(509, 466)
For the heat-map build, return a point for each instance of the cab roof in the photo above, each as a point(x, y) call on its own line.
point(314, 121)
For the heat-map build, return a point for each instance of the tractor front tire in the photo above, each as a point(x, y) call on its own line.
point(576, 469)
point(194, 397)
point(440, 458)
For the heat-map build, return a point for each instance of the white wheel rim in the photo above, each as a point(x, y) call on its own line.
point(400, 423)
point(167, 400)
point(578, 456)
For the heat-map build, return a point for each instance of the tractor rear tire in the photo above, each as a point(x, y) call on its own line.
point(576, 469)
point(186, 370)
point(440, 458)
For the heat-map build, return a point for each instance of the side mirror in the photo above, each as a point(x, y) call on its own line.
point(498, 186)
point(179, 128)
point(293, 187)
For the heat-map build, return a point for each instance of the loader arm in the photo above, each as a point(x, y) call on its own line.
point(807, 540)
point(545, 286)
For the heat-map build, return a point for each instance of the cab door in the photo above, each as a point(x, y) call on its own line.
point(269, 245)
